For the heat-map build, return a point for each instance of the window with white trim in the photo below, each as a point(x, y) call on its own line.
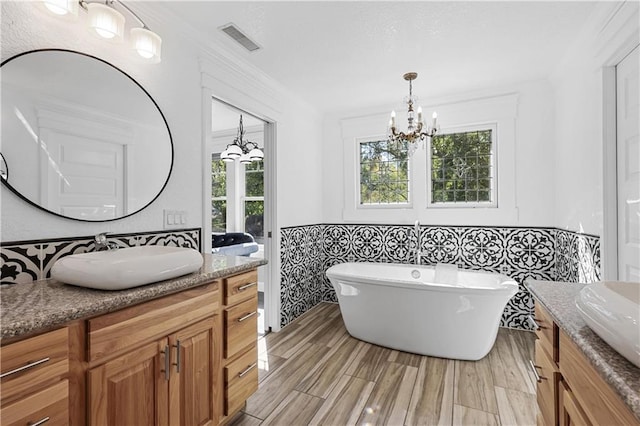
point(461, 168)
point(384, 173)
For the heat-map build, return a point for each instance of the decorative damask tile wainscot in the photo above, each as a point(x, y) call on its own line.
point(540, 253)
point(26, 261)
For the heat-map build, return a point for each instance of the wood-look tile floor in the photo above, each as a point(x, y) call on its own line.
point(314, 373)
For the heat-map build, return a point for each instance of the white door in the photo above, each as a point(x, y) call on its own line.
point(628, 165)
point(85, 177)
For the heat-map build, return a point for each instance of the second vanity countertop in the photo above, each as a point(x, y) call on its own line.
point(29, 308)
point(559, 299)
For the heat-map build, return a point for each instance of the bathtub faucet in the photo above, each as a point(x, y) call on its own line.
point(102, 243)
point(417, 253)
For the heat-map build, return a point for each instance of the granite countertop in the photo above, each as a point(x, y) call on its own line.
point(30, 308)
point(558, 298)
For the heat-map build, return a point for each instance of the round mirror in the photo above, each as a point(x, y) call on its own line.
point(83, 139)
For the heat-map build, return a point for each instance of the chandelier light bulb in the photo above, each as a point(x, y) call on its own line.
point(434, 120)
point(234, 151)
point(244, 159)
point(106, 21)
point(256, 154)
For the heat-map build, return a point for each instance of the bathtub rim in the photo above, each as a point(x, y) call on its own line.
point(509, 285)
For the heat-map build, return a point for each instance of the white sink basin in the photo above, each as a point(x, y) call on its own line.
point(127, 267)
point(612, 311)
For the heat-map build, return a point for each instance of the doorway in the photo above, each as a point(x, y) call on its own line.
point(628, 166)
point(240, 197)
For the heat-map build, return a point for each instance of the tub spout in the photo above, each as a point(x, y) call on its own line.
point(417, 253)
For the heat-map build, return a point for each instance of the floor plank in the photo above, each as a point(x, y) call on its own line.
point(243, 419)
point(432, 398)
point(369, 362)
point(508, 364)
point(473, 385)
point(298, 406)
point(322, 378)
point(515, 407)
point(389, 401)
point(471, 417)
point(345, 403)
point(275, 388)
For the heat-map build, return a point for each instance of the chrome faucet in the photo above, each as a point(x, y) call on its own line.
point(417, 253)
point(102, 243)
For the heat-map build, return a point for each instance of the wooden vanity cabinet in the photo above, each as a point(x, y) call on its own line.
point(570, 391)
point(168, 373)
point(240, 360)
point(34, 385)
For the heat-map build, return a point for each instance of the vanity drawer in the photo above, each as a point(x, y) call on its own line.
point(32, 362)
point(240, 287)
point(240, 326)
point(547, 385)
point(547, 331)
point(241, 378)
point(47, 407)
point(127, 328)
point(599, 402)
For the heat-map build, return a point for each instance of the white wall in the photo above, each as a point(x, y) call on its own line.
point(176, 85)
point(532, 174)
point(610, 34)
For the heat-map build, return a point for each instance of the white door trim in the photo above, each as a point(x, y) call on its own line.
point(213, 86)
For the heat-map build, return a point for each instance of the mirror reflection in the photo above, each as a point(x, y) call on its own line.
point(83, 140)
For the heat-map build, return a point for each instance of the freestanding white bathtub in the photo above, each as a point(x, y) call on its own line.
point(438, 311)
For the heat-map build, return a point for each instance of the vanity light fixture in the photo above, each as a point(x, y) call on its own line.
point(107, 22)
point(414, 133)
point(62, 7)
point(242, 150)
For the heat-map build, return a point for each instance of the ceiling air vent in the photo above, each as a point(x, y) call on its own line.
point(232, 31)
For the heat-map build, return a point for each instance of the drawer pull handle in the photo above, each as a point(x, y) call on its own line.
point(249, 368)
point(539, 378)
point(535, 324)
point(39, 422)
point(177, 364)
point(246, 286)
point(24, 367)
point(247, 316)
point(167, 363)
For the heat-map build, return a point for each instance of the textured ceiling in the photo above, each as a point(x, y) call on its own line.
point(344, 55)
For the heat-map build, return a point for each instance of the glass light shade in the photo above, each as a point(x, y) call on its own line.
point(62, 7)
point(256, 154)
point(147, 44)
point(244, 159)
point(234, 151)
point(224, 156)
point(106, 21)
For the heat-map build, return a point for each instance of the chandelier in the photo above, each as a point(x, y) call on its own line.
point(242, 150)
point(414, 133)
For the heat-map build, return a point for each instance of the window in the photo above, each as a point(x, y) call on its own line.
point(462, 168)
point(447, 187)
point(384, 173)
point(218, 194)
point(254, 199)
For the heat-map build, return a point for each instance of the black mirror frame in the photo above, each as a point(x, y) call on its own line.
point(6, 183)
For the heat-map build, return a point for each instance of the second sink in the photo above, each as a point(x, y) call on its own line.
point(127, 267)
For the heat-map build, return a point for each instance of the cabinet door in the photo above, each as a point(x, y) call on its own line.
point(131, 389)
point(570, 412)
point(194, 385)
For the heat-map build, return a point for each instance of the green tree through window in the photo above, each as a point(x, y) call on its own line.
point(384, 173)
point(461, 167)
point(218, 194)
